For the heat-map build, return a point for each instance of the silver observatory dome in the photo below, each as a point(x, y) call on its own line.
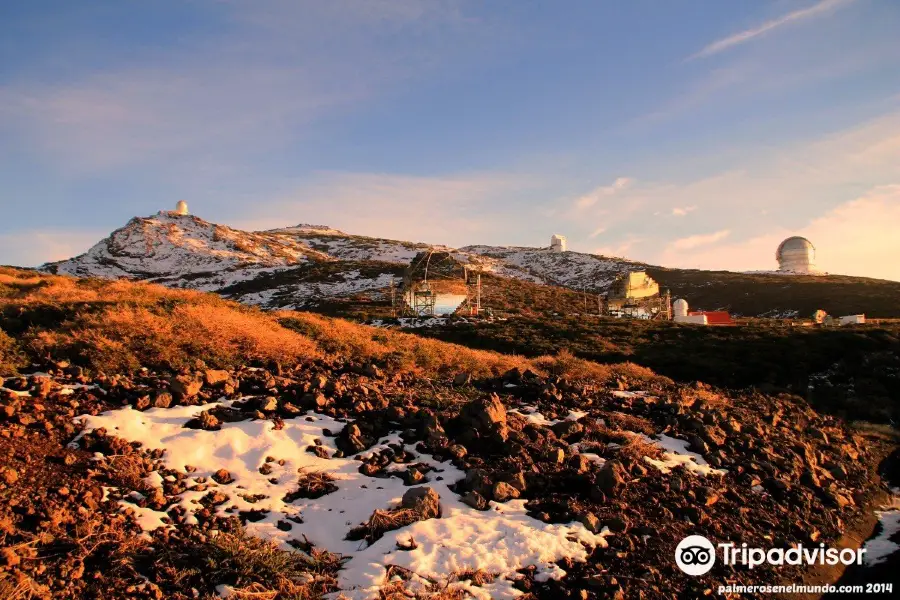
point(796, 255)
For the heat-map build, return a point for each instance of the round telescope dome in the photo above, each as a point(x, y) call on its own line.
point(797, 255)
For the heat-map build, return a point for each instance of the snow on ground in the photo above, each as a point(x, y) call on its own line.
point(415, 323)
point(676, 453)
point(571, 269)
point(299, 294)
point(888, 540)
point(531, 414)
point(501, 540)
point(367, 249)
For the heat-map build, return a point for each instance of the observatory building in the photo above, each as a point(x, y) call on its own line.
point(797, 255)
point(181, 208)
point(558, 243)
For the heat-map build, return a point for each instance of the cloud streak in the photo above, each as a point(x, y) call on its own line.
point(696, 241)
point(229, 95)
point(856, 237)
point(449, 209)
point(604, 191)
point(821, 8)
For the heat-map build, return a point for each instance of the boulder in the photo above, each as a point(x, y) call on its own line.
point(423, 500)
point(487, 417)
point(215, 377)
point(185, 386)
point(611, 478)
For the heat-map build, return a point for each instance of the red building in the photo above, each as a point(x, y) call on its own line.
point(714, 317)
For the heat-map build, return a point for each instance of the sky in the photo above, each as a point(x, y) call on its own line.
point(695, 133)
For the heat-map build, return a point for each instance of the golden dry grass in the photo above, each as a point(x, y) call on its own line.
point(121, 326)
point(407, 351)
point(566, 364)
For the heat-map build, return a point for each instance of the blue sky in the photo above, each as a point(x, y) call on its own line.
point(693, 133)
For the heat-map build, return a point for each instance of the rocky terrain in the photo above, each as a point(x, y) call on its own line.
point(315, 266)
point(168, 444)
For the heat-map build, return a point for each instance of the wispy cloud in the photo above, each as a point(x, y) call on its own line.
point(679, 211)
point(604, 191)
point(695, 241)
point(823, 7)
point(449, 209)
point(228, 94)
point(831, 189)
point(621, 250)
point(598, 231)
point(856, 237)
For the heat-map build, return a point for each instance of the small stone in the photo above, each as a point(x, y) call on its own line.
point(413, 477)
point(591, 522)
point(268, 404)
point(222, 476)
point(503, 491)
point(708, 495)
point(556, 456)
point(462, 379)
point(616, 524)
point(10, 476)
point(475, 500)
point(457, 451)
point(209, 421)
point(162, 399)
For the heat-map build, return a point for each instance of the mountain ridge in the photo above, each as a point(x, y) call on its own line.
point(291, 267)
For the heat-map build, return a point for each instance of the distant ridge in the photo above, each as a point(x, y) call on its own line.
point(297, 266)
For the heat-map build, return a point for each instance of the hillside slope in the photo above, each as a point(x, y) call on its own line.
point(152, 430)
point(778, 295)
point(309, 266)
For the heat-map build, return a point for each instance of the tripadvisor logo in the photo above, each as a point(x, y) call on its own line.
point(695, 555)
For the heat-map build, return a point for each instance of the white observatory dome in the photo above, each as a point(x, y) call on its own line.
point(680, 307)
point(558, 243)
point(181, 208)
point(796, 255)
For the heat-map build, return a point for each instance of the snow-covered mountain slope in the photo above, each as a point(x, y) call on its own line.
point(575, 270)
point(186, 251)
point(291, 267)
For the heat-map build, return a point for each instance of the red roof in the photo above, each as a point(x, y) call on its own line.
point(715, 317)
